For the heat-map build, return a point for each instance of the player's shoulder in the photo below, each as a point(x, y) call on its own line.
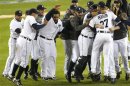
point(13, 21)
point(29, 17)
point(109, 11)
point(87, 14)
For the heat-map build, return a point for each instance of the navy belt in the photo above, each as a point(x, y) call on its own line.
point(45, 37)
point(103, 31)
point(25, 38)
point(86, 36)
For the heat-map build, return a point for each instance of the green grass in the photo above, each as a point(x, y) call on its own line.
point(6, 9)
point(4, 36)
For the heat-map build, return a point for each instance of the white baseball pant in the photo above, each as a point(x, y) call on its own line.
point(23, 52)
point(12, 50)
point(48, 57)
point(106, 40)
point(121, 46)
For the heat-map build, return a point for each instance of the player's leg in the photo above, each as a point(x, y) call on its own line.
point(17, 60)
point(44, 46)
point(24, 57)
point(123, 50)
point(67, 48)
point(128, 47)
point(109, 52)
point(95, 52)
point(74, 56)
point(116, 58)
point(12, 49)
point(34, 59)
point(52, 62)
point(84, 47)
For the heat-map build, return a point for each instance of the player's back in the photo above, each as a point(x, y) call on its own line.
point(105, 19)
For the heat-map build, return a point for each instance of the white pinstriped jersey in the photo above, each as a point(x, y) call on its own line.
point(14, 24)
point(28, 30)
point(104, 19)
point(51, 29)
point(87, 30)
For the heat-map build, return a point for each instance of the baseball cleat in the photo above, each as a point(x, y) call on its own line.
point(107, 78)
point(10, 77)
point(68, 77)
point(25, 76)
point(34, 77)
point(82, 77)
point(38, 75)
point(5, 75)
point(51, 78)
point(113, 80)
point(17, 82)
point(78, 79)
point(127, 76)
point(128, 58)
point(118, 75)
point(89, 76)
point(45, 78)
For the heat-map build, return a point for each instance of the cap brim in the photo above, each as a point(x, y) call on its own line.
point(19, 14)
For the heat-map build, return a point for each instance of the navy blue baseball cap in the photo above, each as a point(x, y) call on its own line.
point(27, 12)
point(90, 3)
point(33, 10)
point(101, 4)
point(74, 1)
point(40, 7)
point(73, 7)
point(18, 12)
point(79, 9)
point(93, 7)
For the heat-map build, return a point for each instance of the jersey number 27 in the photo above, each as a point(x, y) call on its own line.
point(105, 23)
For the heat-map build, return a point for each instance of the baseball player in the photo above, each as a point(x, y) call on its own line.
point(24, 45)
point(76, 27)
point(75, 3)
point(85, 42)
point(47, 44)
point(66, 36)
point(120, 45)
point(35, 53)
point(15, 29)
point(27, 68)
point(104, 38)
point(119, 7)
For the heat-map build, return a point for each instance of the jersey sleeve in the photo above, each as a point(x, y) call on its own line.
point(85, 18)
point(60, 26)
point(113, 16)
point(32, 21)
point(92, 23)
point(13, 26)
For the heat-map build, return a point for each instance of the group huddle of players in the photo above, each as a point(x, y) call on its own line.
point(86, 33)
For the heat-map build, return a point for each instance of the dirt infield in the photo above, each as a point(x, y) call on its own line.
point(11, 16)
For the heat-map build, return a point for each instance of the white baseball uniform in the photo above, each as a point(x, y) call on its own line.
point(14, 24)
point(24, 42)
point(48, 48)
point(104, 38)
point(85, 40)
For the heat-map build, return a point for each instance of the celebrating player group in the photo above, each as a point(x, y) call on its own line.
point(86, 33)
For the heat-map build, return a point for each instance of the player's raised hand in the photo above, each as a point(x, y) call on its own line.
point(57, 7)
